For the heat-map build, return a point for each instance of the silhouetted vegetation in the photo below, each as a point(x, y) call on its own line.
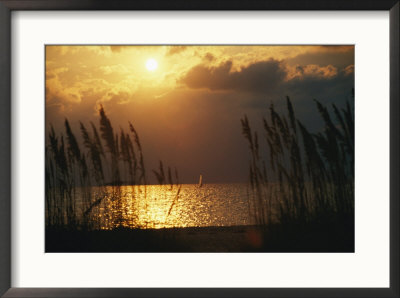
point(307, 181)
point(301, 198)
point(78, 180)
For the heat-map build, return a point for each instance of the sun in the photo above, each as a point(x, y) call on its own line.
point(151, 64)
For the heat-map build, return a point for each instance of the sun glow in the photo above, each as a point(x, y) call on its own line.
point(151, 64)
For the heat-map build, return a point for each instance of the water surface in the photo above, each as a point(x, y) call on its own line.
point(165, 206)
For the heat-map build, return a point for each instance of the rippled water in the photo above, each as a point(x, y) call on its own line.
point(162, 206)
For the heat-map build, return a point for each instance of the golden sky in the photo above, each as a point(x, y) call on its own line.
point(187, 110)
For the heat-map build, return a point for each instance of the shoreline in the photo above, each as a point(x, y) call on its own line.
point(326, 237)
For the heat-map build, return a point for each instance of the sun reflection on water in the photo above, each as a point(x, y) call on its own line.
point(163, 206)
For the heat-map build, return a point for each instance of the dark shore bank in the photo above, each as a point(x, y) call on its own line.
point(321, 237)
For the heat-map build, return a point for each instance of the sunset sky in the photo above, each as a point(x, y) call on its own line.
point(186, 102)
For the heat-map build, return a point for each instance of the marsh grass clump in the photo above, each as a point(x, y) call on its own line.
point(79, 179)
point(307, 178)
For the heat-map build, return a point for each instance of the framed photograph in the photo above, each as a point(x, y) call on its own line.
point(194, 149)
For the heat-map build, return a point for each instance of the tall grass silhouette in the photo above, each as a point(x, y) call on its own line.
point(302, 178)
point(80, 178)
point(299, 180)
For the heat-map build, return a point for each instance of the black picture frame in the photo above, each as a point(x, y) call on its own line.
point(6, 7)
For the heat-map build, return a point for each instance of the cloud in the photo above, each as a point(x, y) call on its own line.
point(120, 97)
point(172, 50)
point(56, 93)
point(259, 84)
point(262, 76)
point(311, 71)
point(266, 77)
point(349, 70)
point(114, 69)
point(117, 49)
point(209, 57)
point(323, 81)
point(337, 56)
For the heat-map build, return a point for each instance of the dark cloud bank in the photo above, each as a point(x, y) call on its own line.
point(273, 79)
point(262, 77)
